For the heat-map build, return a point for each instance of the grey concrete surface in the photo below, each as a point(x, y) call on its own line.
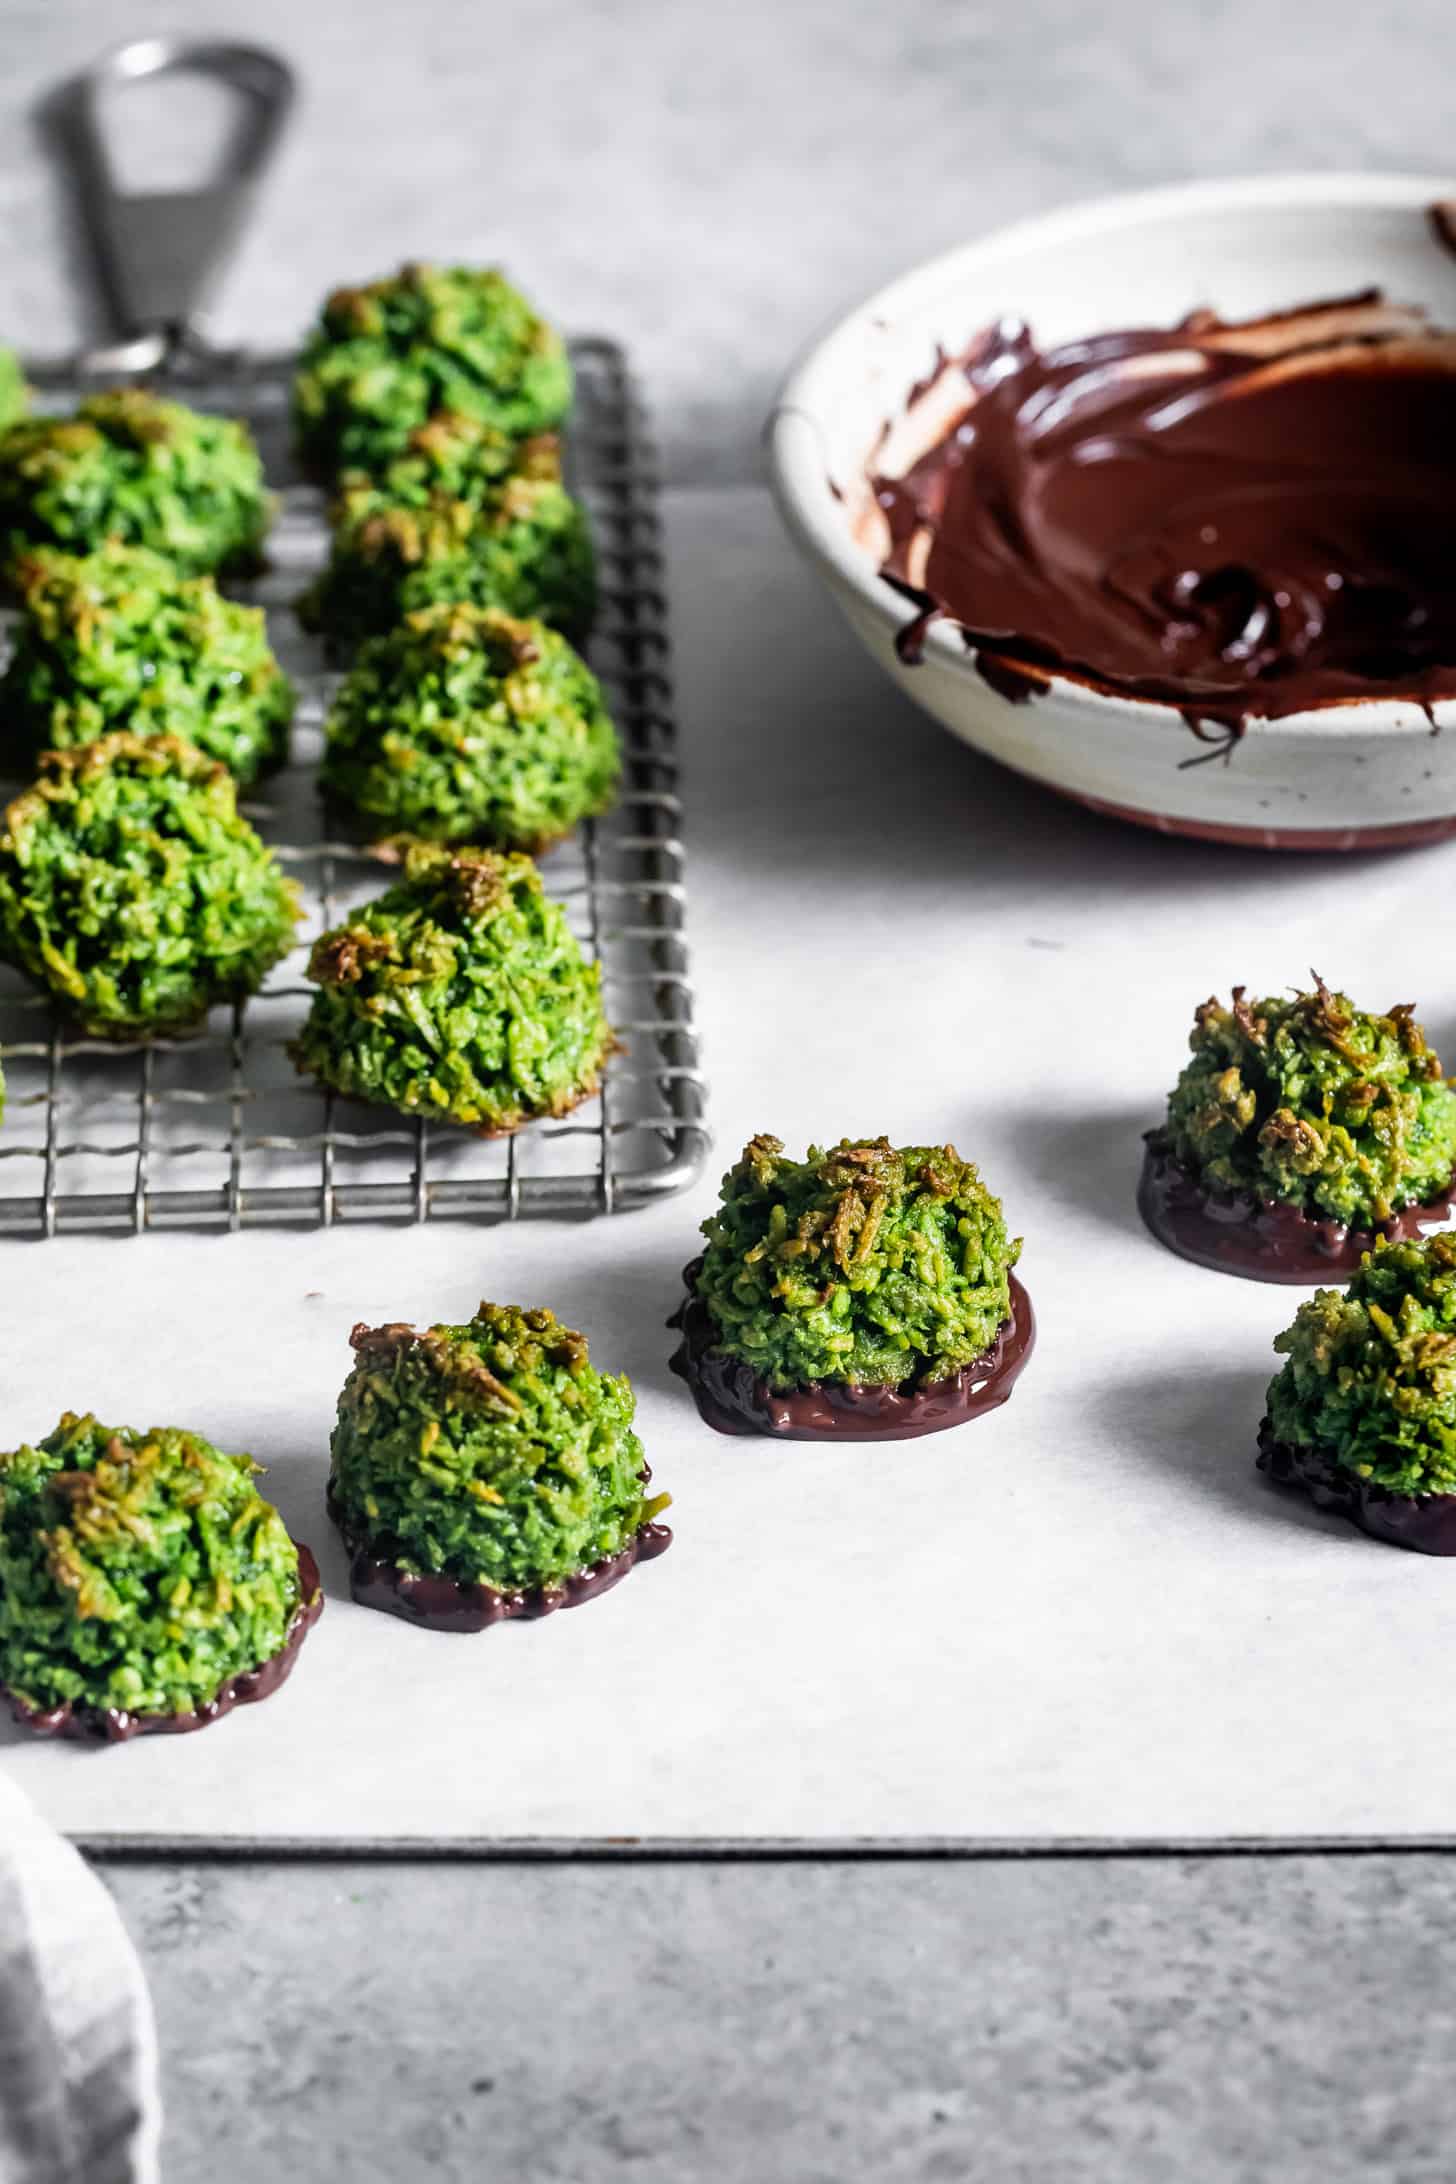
point(1139, 2021)
point(713, 183)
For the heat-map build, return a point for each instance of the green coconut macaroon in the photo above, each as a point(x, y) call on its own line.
point(388, 357)
point(14, 393)
point(122, 639)
point(487, 1470)
point(460, 993)
point(131, 467)
point(523, 546)
point(131, 888)
point(1363, 1414)
point(144, 1582)
point(866, 1289)
point(1301, 1128)
point(465, 724)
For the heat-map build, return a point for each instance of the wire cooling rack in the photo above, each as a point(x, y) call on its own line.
point(217, 1130)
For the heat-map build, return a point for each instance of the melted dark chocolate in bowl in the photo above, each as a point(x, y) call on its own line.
point(1424, 1522)
point(1260, 1238)
point(1235, 519)
point(456, 1604)
point(733, 1399)
point(113, 1725)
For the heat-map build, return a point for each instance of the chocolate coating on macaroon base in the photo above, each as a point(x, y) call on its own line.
point(733, 1399)
point(452, 1603)
point(1260, 1238)
point(1426, 1523)
point(113, 1725)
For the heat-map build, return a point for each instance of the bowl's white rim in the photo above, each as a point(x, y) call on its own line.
point(796, 437)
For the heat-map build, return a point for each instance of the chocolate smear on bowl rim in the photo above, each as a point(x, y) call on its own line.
point(1425, 1523)
point(86, 1724)
point(733, 1399)
point(436, 1601)
point(1263, 1239)
point(1238, 520)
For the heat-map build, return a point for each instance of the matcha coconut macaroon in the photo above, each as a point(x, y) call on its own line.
point(1363, 1414)
point(467, 725)
point(145, 1584)
point(433, 341)
point(1301, 1129)
point(461, 994)
point(514, 540)
point(487, 1471)
point(122, 639)
point(863, 1292)
point(132, 890)
point(131, 467)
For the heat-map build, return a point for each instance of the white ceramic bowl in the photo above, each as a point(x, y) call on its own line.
point(1357, 775)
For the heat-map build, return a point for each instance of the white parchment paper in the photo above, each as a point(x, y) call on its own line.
point(1084, 1617)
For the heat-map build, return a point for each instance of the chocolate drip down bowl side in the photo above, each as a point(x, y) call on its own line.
point(859, 415)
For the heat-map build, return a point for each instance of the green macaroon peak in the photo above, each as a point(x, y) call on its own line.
point(866, 1263)
point(133, 467)
point(461, 993)
point(392, 355)
point(138, 1570)
point(121, 638)
point(492, 1452)
point(132, 888)
point(466, 724)
point(1311, 1101)
point(1370, 1373)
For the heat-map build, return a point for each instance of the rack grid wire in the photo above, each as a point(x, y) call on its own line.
point(217, 1130)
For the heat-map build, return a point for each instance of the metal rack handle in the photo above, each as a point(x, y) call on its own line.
point(159, 252)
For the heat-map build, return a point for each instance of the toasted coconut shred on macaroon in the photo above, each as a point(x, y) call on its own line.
point(145, 1584)
point(1302, 1130)
point(865, 1292)
point(488, 1471)
point(460, 993)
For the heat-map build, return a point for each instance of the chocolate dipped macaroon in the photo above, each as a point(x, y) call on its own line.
point(1302, 1131)
point(487, 1472)
point(145, 1584)
point(1363, 1414)
point(862, 1293)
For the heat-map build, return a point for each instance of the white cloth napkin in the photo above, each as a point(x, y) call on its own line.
point(79, 2101)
